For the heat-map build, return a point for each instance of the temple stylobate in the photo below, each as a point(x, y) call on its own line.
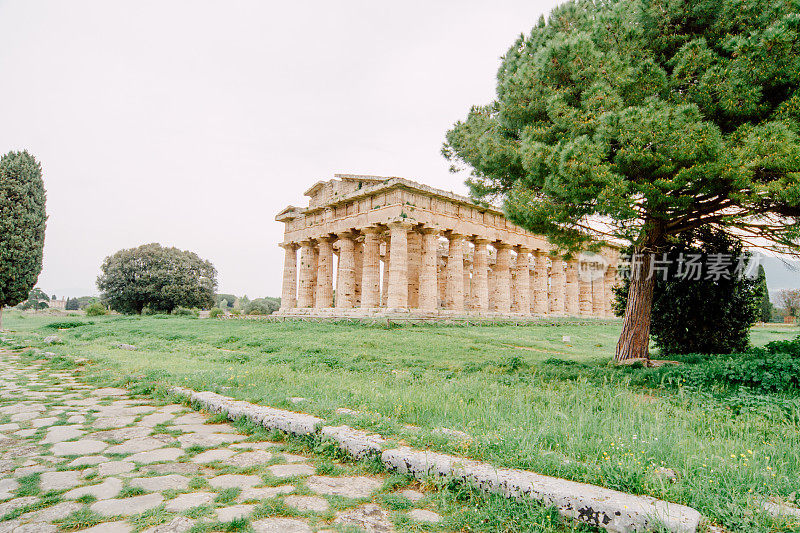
point(378, 246)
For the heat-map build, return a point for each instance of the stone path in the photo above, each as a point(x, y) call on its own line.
point(74, 457)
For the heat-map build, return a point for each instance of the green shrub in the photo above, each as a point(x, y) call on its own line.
point(235, 312)
point(216, 312)
point(95, 309)
point(184, 311)
point(67, 325)
point(772, 369)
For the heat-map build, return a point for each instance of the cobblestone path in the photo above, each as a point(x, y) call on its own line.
point(74, 457)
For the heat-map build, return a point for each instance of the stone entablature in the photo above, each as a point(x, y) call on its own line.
point(394, 239)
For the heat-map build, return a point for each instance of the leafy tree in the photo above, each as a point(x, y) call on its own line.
point(262, 306)
point(696, 307)
point(227, 299)
point(72, 304)
point(638, 120)
point(158, 278)
point(22, 223)
point(765, 306)
point(37, 299)
point(95, 309)
point(789, 300)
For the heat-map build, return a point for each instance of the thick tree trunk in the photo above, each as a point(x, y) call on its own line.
point(634, 341)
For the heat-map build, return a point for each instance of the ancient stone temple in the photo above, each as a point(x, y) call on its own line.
point(377, 246)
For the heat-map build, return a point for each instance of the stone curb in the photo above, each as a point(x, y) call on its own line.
point(599, 506)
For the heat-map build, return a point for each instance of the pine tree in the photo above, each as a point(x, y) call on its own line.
point(765, 306)
point(638, 120)
point(22, 224)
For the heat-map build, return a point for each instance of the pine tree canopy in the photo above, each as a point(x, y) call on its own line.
point(653, 117)
point(22, 225)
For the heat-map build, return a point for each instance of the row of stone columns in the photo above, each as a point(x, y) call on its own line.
point(556, 288)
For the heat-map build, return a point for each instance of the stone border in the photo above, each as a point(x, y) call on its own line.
point(599, 506)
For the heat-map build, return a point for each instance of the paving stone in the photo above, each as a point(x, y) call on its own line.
point(78, 447)
point(54, 512)
point(172, 468)
point(79, 419)
point(179, 524)
point(226, 514)
point(205, 429)
point(112, 468)
point(307, 503)
point(16, 526)
point(264, 493)
point(211, 456)
point(109, 392)
point(156, 456)
point(127, 506)
point(183, 502)
point(248, 459)
point(59, 480)
point(102, 491)
point(281, 525)
point(292, 458)
point(6, 487)
point(349, 487)
point(43, 422)
point(235, 480)
point(412, 495)
point(88, 460)
point(211, 440)
point(109, 527)
point(9, 427)
point(423, 515)
point(110, 422)
point(190, 418)
point(23, 417)
point(25, 433)
point(62, 433)
point(123, 433)
point(254, 445)
point(155, 419)
point(369, 517)
point(159, 483)
point(284, 471)
point(35, 469)
point(142, 444)
point(16, 503)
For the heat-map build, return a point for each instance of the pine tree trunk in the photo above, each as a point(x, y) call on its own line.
point(634, 341)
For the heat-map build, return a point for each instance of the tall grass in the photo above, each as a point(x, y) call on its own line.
point(527, 398)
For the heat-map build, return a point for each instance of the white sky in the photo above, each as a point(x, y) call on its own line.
point(192, 123)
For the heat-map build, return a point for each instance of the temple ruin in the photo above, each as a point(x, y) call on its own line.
point(391, 246)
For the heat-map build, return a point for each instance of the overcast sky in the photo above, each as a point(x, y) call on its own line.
point(192, 123)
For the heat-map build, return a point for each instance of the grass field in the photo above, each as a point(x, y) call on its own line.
point(527, 398)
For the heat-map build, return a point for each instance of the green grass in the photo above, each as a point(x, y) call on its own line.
point(528, 399)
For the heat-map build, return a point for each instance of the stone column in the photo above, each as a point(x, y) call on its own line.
point(480, 275)
point(414, 264)
point(385, 285)
point(289, 289)
point(346, 285)
point(359, 254)
point(308, 266)
point(610, 281)
point(541, 304)
point(522, 288)
point(503, 277)
point(467, 280)
point(584, 290)
point(455, 272)
point(598, 293)
point(371, 270)
point(572, 304)
point(398, 266)
point(557, 286)
point(324, 297)
point(428, 278)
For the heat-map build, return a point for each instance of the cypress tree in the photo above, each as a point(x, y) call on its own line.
point(765, 306)
point(22, 224)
